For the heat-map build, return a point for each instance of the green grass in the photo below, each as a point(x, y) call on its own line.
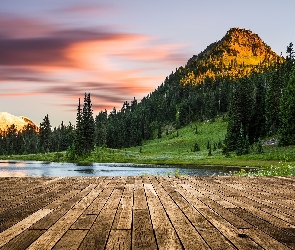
point(280, 170)
point(176, 148)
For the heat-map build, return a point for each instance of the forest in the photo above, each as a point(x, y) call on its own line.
point(255, 104)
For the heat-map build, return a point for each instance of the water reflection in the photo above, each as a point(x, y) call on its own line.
point(88, 171)
point(53, 169)
point(12, 174)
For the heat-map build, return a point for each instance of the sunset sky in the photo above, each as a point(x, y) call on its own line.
point(52, 52)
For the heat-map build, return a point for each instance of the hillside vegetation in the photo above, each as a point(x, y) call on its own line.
point(217, 109)
point(178, 148)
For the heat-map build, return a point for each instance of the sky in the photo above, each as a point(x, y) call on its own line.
point(53, 51)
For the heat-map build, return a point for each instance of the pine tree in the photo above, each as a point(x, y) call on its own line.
point(84, 141)
point(257, 124)
point(88, 124)
point(44, 134)
point(240, 142)
point(79, 140)
point(272, 100)
point(196, 147)
point(290, 52)
point(101, 128)
point(240, 113)
point(287, 113)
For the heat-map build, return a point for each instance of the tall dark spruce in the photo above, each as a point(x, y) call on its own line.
point(88, 124)
point(287, 114)
point(44, 134)
point(84, 142)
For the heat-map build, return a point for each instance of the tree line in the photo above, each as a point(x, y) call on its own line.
point(257, 105)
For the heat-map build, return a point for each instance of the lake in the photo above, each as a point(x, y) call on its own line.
point(56, 169)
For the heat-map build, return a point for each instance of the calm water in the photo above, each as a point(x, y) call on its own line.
point(39, 169)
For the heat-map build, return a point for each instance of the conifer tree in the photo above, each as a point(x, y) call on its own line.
point(101, 128)
point(88, 124)
point(240, 115)
point(44, 134)
point(84, 142)
point(196, 147)
point(290, 51)
point(79, 140)
point(287, 113)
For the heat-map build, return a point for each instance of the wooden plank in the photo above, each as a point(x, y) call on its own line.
point(142, 230)
point(14, 215)
point(54, 233)
point(200, 193)
point(85, 221)
point(274, 199)
point(222, 225)
point(23, 240)
point(228, 230)
point(263, 239)
point(264, 225)
point(25, 192)
point(96, 206)
point(249, 205)
point(71, 240)
point(20, 227)
point(60, 211)
point(99, 232)
point(189, 237)
point(123, 219)
point(139, 195)
point(209, 233)
point(254, 206)
point(119, 240)
point(275, 232)
point(165, 233)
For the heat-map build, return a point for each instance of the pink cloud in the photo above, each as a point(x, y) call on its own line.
point(114, 66)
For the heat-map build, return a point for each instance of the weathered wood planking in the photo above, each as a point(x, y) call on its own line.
point(147, 213)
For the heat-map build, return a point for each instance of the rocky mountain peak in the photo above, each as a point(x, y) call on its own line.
point(7, 119)
point(237, 54)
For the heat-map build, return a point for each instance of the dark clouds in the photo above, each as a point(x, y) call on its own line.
point(49, 47)
point(110, 93)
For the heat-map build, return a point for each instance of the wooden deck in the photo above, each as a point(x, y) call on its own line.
point(147, 213)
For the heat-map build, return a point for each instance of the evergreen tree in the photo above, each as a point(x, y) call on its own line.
point(240, 141)
point(79, 139)
point(240, 114)
point(272, 100)
point(44, 134)
point(196, 147)
point(84, 141)
point(12, 142)
point(101, 128)
point(257, 125)
point(30, 140)
point(290, 52)
point(88, 124)
point(287, 113)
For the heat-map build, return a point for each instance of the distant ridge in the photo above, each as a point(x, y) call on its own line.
point(7, 119)
point(237, 54)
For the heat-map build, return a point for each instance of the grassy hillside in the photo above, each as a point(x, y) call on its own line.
point(177, 148)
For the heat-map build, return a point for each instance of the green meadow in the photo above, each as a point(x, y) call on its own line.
point(178, 147)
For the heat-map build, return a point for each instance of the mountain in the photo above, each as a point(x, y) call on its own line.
point(238, 53)
point(7, 119)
